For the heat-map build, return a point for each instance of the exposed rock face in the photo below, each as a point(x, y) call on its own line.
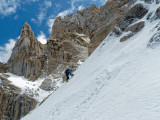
point(3, 68)
point(96, 23)
point(124, 38)
point(158, 12)
point(82, 22)
point(67, 33)
point(48, 85)
point(133, 30)
point(13, 105)
point(26, 59)
point(136, 27)
point(136, 12)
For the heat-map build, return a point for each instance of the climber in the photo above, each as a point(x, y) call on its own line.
point(68, 72)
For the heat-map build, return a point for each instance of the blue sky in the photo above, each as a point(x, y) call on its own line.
point(40, 14)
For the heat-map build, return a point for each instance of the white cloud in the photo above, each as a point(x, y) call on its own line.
point(41, 17)
point(43, 11)
point(80, 7)
point(57, 6)
point(50, 24)
point(33, 20)
point(48, 4)
point(5, 52)
point(18, 38)
point(101, 1)
point(32, 0)
point(42, 38)
point(64, 13)
point(69, 11)
point(16, 17)
point(8, 7)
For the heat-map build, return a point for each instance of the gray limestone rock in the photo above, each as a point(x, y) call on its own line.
point(133, 30)
point(3, 68)
point(96, 23)
point(13, 104)
point(48, 85)
point(26, 59)
point(124, 38)
point(136, 27)
point(136, 12)
point(158, 12)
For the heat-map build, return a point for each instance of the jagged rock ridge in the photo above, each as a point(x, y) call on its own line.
point(96, 23)
point(93, 22)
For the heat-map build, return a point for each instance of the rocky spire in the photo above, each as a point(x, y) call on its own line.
point(24, 58)
point(27, 45)
point(26, 31)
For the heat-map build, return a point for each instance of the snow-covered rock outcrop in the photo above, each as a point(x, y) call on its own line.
point(18, 96)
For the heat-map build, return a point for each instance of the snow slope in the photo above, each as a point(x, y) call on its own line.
point(119, 81)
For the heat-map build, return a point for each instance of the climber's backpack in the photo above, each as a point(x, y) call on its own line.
point(67, 71)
